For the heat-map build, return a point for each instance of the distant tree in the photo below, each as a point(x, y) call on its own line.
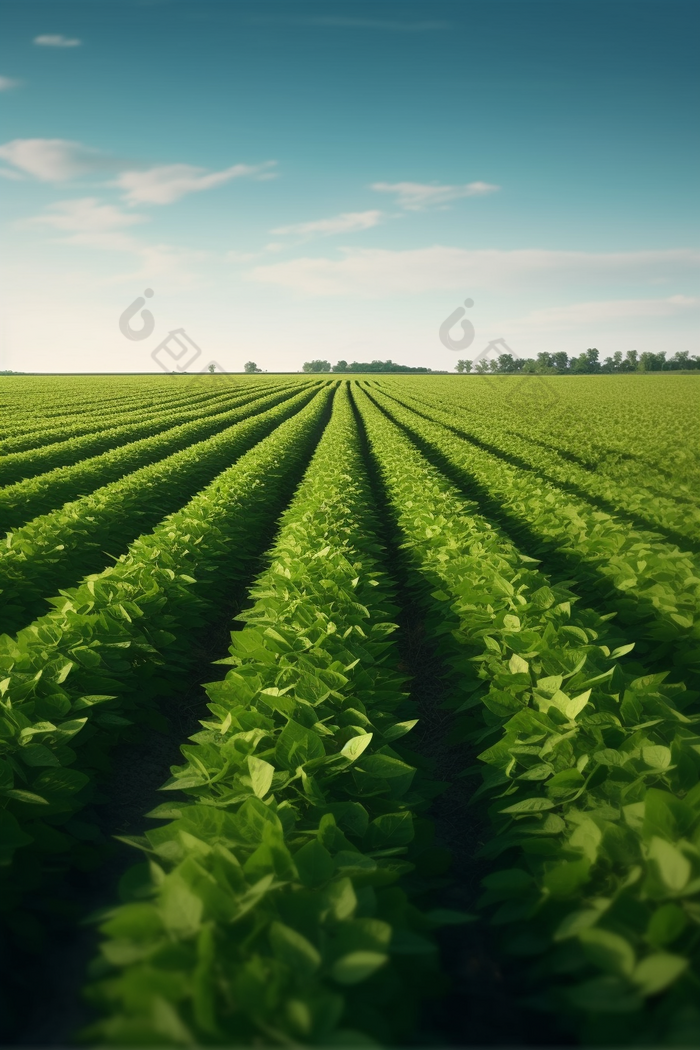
point(593, 362)
point(506, 363)
point(560, 360)
point(250, 367)
point(211, 368)
point(316, 366)
point(612, 364)
point(341, 366)
point(384, 366)
point(682, 359)
point(650, 362)
point(586, 362)
point(463, 366)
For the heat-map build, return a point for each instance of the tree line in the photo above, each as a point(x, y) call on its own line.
point(360, 366)
point(586, 363)
point(545, 363)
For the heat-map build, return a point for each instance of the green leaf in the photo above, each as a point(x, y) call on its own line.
point(672, 866)
point(38, 755)
point(61, 781)
point(341, 898)
point(511, 880)
point(658, 971)
point(666, 816)
point(180, 907)
point(567, 878)
point(11, 835)
point(25, 796)
point(622, 650)
point(385, 766)
point(575, 922)
point(390, 829)
point(293, 949)
point(666, 924)
point(608, 951)
point(657, 756)
point(90, 701)
point(586, 839)
point(399, 730)
point(604, 995)
point(355, 746)
point(261, 774)
point(357, 966)
point(314, 863)
point(529, 805)
point(297, 745)
point(517, 665)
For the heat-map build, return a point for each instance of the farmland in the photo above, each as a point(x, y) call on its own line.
point(350, 711)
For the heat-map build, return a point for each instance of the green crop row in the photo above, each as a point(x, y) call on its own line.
point(135, 410)
point(623, 499)
point(56, 549)
point(654, 586)
point(27, 499)
point(56, 407)
point(21, 465)
point(590, 769)
point(73, 679)
point(627, 427)
point(268, 910)
point(57, 398)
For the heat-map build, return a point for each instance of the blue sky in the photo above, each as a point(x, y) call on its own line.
point(333, 179)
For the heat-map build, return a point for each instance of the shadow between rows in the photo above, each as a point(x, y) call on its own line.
point(111, 535)
point(481, 1007)
point(594, 588)
point(670, 535)
point(138, 766)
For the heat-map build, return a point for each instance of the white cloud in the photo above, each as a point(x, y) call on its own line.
point(59, 160)
point(417, 196)
point(234, 256)
point(174, 267)
point(241, 257)
point(574, 315)
point(88, 222)
point(56, 40)
point(170, 182)
point(53, 160)
point(86, 214)
point(347, 222)
point(377, 272)
point(7, 83)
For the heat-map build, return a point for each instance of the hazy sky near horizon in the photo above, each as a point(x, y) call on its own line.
point(333, 179)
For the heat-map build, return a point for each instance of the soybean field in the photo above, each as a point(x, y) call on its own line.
point(350, 712)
